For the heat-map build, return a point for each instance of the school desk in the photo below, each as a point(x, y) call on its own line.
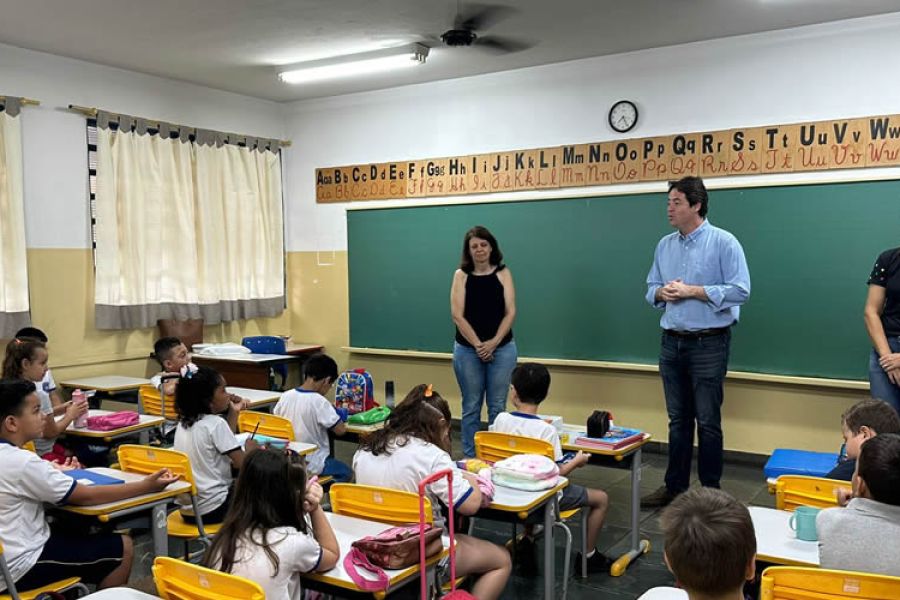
point(353, 435)
point(155, 503)
point(627, 457)
point(514, 506)
point(141, 428)
point(347, 530)
point(664, 593)
point(301, 448)
point(119, 593)
point(106, 383)
point(258, 398)
point(246, 370)
point(775, 541)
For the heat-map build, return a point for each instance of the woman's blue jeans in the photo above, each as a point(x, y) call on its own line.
point(880, 386)
point(479, 382)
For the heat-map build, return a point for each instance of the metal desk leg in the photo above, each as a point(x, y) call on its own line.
point(638, 546)
point(159, 530)
point(549, 567)
point(144, 437)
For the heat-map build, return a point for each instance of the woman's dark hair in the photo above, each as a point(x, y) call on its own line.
point(17, 350)
point(194, 394)
point(269, 493)
point(694, 191)
point(12, 396)
point(418, 415)
point(481, 232)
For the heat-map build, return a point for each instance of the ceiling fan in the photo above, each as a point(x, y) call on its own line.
point(478, 17)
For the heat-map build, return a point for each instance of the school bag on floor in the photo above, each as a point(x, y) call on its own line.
point(355, 391)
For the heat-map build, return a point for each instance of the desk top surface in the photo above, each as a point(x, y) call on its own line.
point(777, 543)
point(251, 358)
point(172, 490)
point(510, 500)
point(256, 397)
point(570, 432)
point(347, 530)
point(119, 593)
point(106, 383)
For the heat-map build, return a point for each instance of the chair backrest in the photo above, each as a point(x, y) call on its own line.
point(29, 446)
point(792, 491)
point(265, 344)
point(377, 503)
point(153, 402)
point(149, 459)
point(492, 446)
point(808, 583)
point(270, 425)
point(179, 580)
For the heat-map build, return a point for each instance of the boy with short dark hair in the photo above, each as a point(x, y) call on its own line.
point(313, 416)
point(859, 423)
point(710, 544)
point(865, 536)
point(530, 385)
point(36, 555)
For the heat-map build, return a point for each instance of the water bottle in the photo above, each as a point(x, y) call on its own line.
point(78, 397)
point(389, 394)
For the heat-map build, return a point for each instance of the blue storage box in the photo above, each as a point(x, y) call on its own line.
point(800, 462)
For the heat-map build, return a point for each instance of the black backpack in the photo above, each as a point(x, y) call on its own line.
point(598, 424)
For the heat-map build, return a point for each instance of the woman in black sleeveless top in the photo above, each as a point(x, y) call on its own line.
point(483, 306)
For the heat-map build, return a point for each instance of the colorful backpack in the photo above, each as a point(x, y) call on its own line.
point(355, 391)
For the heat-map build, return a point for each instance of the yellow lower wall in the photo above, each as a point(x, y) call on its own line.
point(757, 417)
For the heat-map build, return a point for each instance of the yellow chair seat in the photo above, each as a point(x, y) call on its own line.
point(178, 580)
point(52, 587)
point(568, 514)
point(180, 529)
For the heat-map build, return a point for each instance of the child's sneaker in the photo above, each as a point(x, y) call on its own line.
point(598, 563)
point(526, 555)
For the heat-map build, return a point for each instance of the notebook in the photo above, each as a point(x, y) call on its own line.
point(85, 477)
point(263, 440)
point(615, 438)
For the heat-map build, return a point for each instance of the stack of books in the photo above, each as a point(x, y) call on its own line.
point(615, 438)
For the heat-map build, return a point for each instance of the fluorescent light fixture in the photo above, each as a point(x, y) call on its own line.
point(354, 64)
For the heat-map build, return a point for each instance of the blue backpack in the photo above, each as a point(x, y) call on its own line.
point(355, 391)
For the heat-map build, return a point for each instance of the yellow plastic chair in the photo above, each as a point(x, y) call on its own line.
point(179, 580)
point(806, 583)
point(374, 503)
point(12, 593)
point(153, 402)
point(270, 425)
point(148, 459)
point(792, 491)
point(492, 446)
point(29, 446)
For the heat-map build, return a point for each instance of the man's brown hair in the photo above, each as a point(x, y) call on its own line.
point(709, 541)
point(877, 415)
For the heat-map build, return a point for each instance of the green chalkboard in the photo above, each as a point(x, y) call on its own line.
point(580, 267)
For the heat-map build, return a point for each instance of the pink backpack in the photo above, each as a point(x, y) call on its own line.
point(116, 420)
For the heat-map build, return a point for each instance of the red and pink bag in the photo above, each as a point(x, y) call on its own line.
point(116, 420)
point(394, 548)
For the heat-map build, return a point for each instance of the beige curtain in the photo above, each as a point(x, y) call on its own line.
point(185, 230)
point(13, 264)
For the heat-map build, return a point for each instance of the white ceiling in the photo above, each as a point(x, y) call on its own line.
point(235, 45)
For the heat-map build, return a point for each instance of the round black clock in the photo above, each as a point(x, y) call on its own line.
point(623, 116)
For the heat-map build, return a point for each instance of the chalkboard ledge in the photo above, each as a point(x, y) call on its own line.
point(821, 382)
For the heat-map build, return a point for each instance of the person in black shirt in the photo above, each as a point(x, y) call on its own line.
point(483, 307)
point(882, 315)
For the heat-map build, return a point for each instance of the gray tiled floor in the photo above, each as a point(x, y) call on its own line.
point(747, 483)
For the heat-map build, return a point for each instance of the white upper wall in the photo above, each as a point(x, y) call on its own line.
point(841, 69)
point(54, 143)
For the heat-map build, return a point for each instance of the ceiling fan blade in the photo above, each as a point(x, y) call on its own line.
point(502, 44)
point(482, 16)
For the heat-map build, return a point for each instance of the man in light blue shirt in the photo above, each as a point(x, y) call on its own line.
point(699, 279)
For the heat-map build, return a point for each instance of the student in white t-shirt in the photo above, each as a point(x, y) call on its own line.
point(27, 358)
point(313, 416)
point(529, 385)
point(208, 441)
point(275, 529)
point(37, 555)
point(415, 443)
point(175, 360)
